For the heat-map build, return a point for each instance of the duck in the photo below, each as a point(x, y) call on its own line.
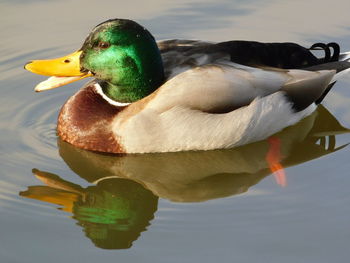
point(174, 95)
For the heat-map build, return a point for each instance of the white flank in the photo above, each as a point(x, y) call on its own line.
point(180, 129)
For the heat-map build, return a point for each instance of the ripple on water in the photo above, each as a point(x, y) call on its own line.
point(28, 120)
point(35, 126)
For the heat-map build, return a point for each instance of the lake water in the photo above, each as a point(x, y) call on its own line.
point(62, 204)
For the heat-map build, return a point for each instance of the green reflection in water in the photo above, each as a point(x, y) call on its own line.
point(118, 207)
point(112, 213)
point(115, 212)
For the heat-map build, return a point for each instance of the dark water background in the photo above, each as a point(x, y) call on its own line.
point(219, 206)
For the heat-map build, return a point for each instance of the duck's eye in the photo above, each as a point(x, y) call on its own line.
point(103, 45)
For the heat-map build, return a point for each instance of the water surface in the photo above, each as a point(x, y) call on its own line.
point(62, 204)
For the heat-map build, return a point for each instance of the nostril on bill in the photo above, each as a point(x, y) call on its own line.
point(25, 65)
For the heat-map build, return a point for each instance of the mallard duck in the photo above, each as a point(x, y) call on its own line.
point(180, 95)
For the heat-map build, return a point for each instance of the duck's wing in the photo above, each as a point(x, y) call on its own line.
point(257, 62)
point(226, 86)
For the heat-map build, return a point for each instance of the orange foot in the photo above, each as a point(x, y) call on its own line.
point(273, 158)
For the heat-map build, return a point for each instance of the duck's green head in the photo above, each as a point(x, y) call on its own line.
point(120, 53)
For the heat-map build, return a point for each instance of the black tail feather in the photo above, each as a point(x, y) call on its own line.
point(327, 49)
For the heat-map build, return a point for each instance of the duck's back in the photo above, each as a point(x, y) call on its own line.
point(181, 55)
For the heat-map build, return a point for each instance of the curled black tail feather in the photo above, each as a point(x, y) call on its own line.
point(327, 49)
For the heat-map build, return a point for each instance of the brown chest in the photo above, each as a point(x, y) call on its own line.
point(85, 121)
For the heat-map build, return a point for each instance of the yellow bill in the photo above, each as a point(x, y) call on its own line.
point(63, 70)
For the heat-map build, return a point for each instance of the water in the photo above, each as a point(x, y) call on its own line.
point(62, 204)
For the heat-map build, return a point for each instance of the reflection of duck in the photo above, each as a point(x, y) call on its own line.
point(112, 213)
point(201, 99)
point(116, 210)
point(199, 176)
